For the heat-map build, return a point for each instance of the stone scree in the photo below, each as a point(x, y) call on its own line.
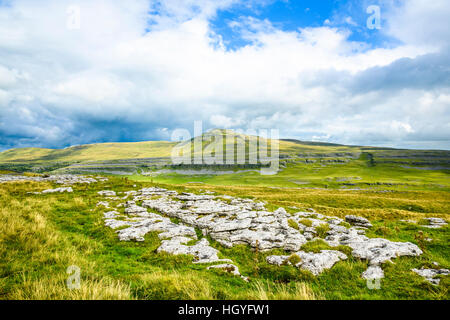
point(435, 223)
point(231, 221)
point(66, 179)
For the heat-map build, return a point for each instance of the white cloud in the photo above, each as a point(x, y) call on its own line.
point(152, 71)
point(220, 121)
point(420, 22)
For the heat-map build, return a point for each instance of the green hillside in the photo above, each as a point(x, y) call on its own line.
point(92, 152)
point(395, 189)
point(155, 149)
point(302, 163)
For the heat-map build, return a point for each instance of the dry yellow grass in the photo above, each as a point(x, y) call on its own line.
point(35, 255)
point(175, 285)
point(28, 241)
point(40, 236)
point(277, 291)
point(54, 288)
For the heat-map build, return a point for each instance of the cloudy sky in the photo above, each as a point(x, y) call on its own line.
point(76, 72)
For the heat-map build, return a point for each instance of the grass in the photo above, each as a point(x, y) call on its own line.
point(322, 230)
point(42, 235)
point(92, 152)
point(383, 176)
point(306, 222)
point(293, 224)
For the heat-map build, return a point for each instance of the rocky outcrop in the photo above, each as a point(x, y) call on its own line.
point(316, 263)
point(103, 204)
point(431, 275)
point(376, 251)
point(67, 179)
point(358, 221)
point(373, 272)
point(234, 221)
point(435, 223)
point(107, 193)
point(59, 190)
point(202, 251)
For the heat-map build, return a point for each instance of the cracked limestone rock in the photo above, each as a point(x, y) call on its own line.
point(435, 223)
point(103, 204)
point(107, 193)
point(373, 272)
point(202, 251)
point(58, 190)
point(314, 262)
point(67, 179)
point(111, 214)
point(141, 226)
point(431, 274)
point(358, 221)
point(378, 251)
point(233, 221)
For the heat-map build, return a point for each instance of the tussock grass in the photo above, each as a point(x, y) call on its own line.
point(41, 235)
point(35, 255)
point(276, 291)
point(55, 288)
point(173, 285)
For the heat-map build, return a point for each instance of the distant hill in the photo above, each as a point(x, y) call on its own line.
point(92, 152)
point(153, 149)
point(138, 156)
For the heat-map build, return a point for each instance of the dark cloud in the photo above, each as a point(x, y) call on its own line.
point(116, 80)
point(427, 72)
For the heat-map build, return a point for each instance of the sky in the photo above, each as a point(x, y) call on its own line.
point(77, 72)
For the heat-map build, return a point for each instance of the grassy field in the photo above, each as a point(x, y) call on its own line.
point(355, 173)
point(42, 235)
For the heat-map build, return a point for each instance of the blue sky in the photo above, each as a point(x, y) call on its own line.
point(288, 16)
point(292, 15)
point(77, 72)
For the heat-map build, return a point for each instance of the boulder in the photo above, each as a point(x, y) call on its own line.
point(107, 193)
point(358, 221)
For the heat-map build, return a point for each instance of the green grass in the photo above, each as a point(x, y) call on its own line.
point(41, 236)
point(301, 175)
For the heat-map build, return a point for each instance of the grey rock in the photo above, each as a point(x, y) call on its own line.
point(435, 223)
point(202, 251)
point(67, 179)
point(103, 204)
point(58, 190)
point(373, 272)
point(111, 214)
point(378, 251)
point(316, 263)
point(237, 222)
point(107, 193)
point(358, 221)
point(431, 274)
